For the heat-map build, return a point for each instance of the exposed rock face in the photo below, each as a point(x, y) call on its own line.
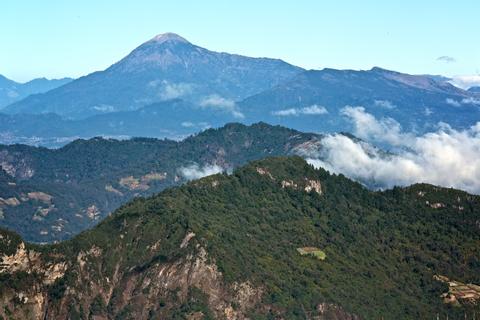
point(263, 171)
point(19, 261)
point(309, 186)
point(30, 261)
point(10, 201)
point(289, 184)
point(133, 183)
point(137, 291)
point(459, 293)
point(92, 212)
point(15, 165)
point(29, 302)
point(40, 196)
point(313, 185)
point(187, 238)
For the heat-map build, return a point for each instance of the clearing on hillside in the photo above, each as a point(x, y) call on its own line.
point(312, 251)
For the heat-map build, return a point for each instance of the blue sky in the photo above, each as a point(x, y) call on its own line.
point(55, 38)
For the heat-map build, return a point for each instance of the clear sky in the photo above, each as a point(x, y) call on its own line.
point(56, 38)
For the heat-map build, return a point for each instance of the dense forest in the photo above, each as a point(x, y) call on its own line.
point(52, 194)
point(274, 239)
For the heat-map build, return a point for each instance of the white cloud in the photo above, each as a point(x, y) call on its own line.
point(187, 124)
point(453, 102)
point(104, 108)
point(285, 112)
point(311, 110)
point(202, 125)
point(466, 82)
point(217, 102)
point(367, 127)
point(447, 157)
point(385, 104)
point(446, 59)
point(174, 90)
point(471, 101)
point(12, 94)
point(194, 171)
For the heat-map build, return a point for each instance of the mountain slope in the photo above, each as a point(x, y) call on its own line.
point(313, 100)
point(475, 90)
point(226, 246)
point(173, 119)
point(53, 194)
point(11, 91)
point(163, 68)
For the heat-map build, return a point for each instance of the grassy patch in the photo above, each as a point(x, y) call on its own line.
point(312, 251)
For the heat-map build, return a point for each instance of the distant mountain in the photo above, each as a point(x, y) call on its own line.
point(11, 91)
point(49, 195)
point(163, 68)
point(313, 99)
point(275, 239)
point(168, 87)
point(475, 90)
point(173, 119)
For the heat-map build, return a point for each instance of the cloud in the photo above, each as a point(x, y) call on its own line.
point(367, 127)
point(446, 157)
point(194, 171)
point(202, 125)
point(466, 81)
point(471, 101)
point(12, 94)
point(385, 104)
point(187, 124)
point(446, 59)
point(311, 110)
point(217, 102)
point(285, 112)
point(104, 108)
point(453, 102)
point(174, 90)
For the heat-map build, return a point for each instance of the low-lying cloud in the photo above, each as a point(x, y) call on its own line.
point(367, 127)
point(311, 110)
point(385, 104)
point(194, 171)
point(175, 90)
point(466, 81)
point(189, 124)
point(464, 101)
point(217, 102)
point(446, 157)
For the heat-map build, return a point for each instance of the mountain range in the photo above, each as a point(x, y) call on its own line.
point(11, 91)
point(165, 194)
point(275, 239)
point(163, 68)
point(169, 87)
point(50, 195)
point(313, 100)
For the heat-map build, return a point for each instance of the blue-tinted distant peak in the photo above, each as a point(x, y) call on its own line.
point(168, 36)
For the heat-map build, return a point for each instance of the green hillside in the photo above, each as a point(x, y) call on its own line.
point(226, 246)
point(56, 193)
